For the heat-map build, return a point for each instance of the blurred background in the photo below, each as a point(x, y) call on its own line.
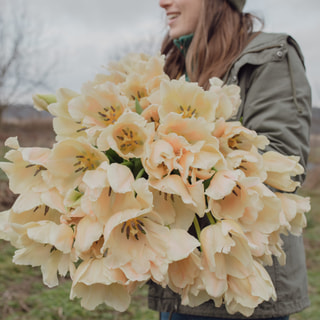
point(63, 43)
point(49, 44)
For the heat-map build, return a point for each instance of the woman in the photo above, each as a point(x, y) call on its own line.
point(214, 38)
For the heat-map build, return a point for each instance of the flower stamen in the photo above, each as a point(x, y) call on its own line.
point(234, 142)
point(187, 112)
point(38, 168)
point(133, 227)
point(129, 139)
point(82, 129)
point(85, 163)
point(46, 210)
point(110, 114)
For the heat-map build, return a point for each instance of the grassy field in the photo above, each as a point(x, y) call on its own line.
point(24, 297)
point(312, 245)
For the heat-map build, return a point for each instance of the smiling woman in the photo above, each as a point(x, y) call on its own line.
point(209, 39)
point(120, 190)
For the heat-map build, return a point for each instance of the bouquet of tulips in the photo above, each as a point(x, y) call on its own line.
point(138, 160)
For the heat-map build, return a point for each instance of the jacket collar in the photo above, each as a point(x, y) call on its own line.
point(183, 43)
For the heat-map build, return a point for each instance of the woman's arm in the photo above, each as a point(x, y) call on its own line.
point(278, 105)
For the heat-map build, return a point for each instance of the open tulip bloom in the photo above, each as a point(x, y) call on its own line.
point(138, 160)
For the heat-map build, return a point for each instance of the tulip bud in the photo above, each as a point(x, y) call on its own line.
point(41, 101)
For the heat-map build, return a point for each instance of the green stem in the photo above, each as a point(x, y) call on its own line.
point(211, 218)
point(140, 173)
point(197, 226)
point(126, 163)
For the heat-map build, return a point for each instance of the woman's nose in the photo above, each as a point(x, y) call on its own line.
point(165, 3)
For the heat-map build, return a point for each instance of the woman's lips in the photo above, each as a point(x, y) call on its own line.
point(172, 17)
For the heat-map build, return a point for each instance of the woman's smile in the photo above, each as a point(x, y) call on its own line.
point(182, 16)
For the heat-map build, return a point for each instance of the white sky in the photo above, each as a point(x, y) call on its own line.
point(86, 33)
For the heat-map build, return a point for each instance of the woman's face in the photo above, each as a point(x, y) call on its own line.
point(182, 16)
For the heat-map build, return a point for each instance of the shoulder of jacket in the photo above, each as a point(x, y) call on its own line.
point(264, 48)
point(264, 41)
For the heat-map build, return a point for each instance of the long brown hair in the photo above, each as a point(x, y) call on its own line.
point(220, 36)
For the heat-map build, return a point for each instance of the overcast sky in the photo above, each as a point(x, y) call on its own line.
point(87, 33)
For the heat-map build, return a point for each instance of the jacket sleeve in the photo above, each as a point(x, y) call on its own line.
point(278, 104)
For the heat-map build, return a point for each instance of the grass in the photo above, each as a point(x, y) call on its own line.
point(312, 244)
point(24, 297)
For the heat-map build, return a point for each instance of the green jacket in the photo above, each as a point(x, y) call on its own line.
point(276, 102)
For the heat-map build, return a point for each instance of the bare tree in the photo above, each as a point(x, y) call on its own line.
point(22, 52)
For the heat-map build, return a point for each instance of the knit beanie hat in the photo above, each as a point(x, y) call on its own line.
point(237, 4)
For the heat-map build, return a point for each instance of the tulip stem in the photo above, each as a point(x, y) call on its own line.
point(197, 226)
point(211, 217)
point(140, 173)
point(127, 163)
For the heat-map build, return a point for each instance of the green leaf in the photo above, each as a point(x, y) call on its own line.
point(48, 98)
point(113, 156)
point(138, 106)
point(206, 183)
point(42, 101)
point(140, 174)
